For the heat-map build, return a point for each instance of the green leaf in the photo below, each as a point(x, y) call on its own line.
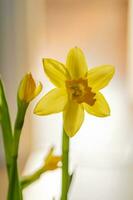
point(6, 126)
point(70, 180)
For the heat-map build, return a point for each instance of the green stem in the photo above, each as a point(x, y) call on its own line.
point(15, 191)
point(22, 107)
point(26, 181)
point(65, 166)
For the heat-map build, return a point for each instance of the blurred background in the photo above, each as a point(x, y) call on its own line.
point(102, 151)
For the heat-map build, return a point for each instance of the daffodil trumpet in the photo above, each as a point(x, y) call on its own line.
point(77, 90)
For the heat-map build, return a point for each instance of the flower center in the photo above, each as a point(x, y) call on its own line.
point(79, 91)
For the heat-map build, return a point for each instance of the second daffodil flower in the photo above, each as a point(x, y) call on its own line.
point(77, 90)
point(52, 161)
point(28, 89)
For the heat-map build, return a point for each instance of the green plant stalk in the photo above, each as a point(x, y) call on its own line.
point(6, 128)
point(65, 166)
point(22, 107)
point(15, 191)
point(27, 180)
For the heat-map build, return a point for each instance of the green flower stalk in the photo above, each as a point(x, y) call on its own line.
point(65, 166)
point(14, 185)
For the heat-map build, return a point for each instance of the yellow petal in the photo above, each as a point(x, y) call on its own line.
point(37, 90)
point(26, 88)
point(53, 102)
point(99, 77)
point(73, 118)
point(100, 108)
point(52, 164)
point(56, 72)
point(76, 63)
point(52, 161)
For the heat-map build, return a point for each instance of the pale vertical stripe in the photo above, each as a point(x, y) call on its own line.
point(130, 49)
point(13, 65)
point(36, 44)
point(36, 28)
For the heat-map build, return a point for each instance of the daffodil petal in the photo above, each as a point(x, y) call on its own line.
point(99, 77)
point(56, 72)
point(73, 118)
point(26, 88)
point(53, 102)
point(37, 90)
point(76, 63)
point(100, 108)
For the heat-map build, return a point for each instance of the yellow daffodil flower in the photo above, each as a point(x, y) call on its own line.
point(77, 90)
point(28, 90)
point(52, 161)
